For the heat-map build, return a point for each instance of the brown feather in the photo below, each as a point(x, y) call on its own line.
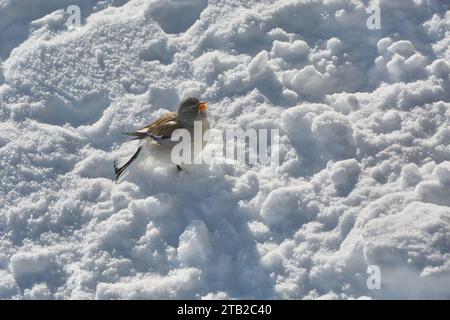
point(162, 127)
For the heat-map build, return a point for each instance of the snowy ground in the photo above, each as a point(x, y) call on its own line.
point(364, 179)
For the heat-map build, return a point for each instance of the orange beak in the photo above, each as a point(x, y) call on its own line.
point(203, 106)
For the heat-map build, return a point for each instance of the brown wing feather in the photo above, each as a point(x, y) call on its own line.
point(170, 116)
point(163, 126)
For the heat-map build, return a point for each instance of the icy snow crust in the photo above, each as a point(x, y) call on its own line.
point(365, 150)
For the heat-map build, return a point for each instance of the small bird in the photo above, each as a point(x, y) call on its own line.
point(157, 135)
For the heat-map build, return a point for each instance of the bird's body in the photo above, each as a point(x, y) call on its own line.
point(156, 137)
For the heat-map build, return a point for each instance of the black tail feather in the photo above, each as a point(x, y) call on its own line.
point(118, 171)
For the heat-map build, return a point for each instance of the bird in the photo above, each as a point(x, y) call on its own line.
point(156, 136)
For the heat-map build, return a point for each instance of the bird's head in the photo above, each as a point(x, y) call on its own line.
point(190, 110)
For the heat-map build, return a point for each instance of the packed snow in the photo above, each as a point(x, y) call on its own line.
point(364, 174)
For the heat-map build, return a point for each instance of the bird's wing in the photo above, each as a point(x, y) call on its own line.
point(164, 126)
point(159, 130)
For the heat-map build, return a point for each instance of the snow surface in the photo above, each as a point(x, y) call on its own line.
point(364, 179)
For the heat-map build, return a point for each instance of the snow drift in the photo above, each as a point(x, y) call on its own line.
point(364, 179)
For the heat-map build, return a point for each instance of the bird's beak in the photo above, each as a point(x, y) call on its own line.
point(203, 106)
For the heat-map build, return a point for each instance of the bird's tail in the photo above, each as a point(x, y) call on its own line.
point(119, 170)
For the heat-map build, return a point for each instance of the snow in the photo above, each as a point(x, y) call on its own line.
point(364, 174)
